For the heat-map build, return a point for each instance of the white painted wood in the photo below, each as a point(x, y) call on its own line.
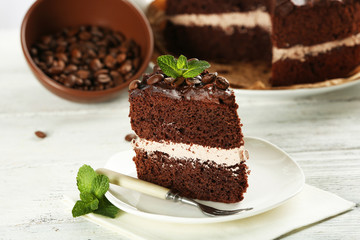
point(322, 133)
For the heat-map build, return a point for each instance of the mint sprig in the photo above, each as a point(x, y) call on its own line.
point(92, 187)
point(181, 67)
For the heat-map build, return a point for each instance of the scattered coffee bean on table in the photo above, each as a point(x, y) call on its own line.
point(40, 134)
point(87, 57)
point(130, 137)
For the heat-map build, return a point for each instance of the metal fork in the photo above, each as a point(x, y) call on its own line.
point(207, 210)
point(162, 192)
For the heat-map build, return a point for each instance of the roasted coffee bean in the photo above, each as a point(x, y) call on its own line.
point(76, 53)
point(40, 134)
point(222, 83)
point(134, 85)
point(95, 64)
point(79, 81)
point(192, 81)
point(83, 74)
point(103, 78)
point(49, 60)
point(193, 59)
point(156, 69)
point(70, 81)
point(126, 67)
point(209, 78)
point(129, 137)
point(87, 82)
point(85, 36)
point(178, 81)
point(120, 58)
point(101, 71)
point(155, 79)
point(62, 56)
point(110, 61)
point(169, 80)
point(34, 52)
point(57, 67)
point(87, 57)
point(70, 68)
point(46, 39)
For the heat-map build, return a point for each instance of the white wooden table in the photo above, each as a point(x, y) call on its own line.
point(322, 133)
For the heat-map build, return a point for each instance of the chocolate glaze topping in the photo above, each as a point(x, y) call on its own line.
point(206, 87)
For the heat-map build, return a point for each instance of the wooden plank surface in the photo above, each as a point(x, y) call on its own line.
point(322, 133)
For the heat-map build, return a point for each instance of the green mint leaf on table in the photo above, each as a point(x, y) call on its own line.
point(92, 187)
point(82, 208)
point(181, 67)
point(107, 209)
point(167, 63)
point(100, 185)
point(85, 178)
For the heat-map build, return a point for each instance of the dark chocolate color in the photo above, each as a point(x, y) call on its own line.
point(337, 63)
point(205, 116)
point(213, 6)
point(314, 23)
point(213, 43)
point(193, 179)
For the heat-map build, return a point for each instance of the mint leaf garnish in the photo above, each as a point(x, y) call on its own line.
point(107, 209)
point(182, 63)
point(168, 65)
point(195, 68)
point(181, 67)
point(81, 208)
point(85, 177)
point(84, 207)
point(92, 187)
point(100, 185)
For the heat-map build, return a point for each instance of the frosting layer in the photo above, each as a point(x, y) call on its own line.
point(300, 52)
point(225, 21)
point(220, 156)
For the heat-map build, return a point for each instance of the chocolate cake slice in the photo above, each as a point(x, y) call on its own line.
point(189, 134)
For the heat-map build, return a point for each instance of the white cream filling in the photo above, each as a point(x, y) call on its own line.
point(228, 157)
point(299, 52)
point(226, 21)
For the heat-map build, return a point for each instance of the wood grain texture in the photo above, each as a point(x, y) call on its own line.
point(322, 133)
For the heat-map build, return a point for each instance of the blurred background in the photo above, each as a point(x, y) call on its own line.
point(12, 12)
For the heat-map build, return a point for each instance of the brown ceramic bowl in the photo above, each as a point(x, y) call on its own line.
point(50, 16)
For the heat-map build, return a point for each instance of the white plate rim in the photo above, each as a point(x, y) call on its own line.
point(299, 92)
point(174, 219)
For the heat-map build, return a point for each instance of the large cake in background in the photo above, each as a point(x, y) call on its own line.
point(315, 40)
point(189, 135)
point(304, 41)
point(220, 30)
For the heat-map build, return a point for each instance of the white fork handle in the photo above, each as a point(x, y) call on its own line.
point(134, 183)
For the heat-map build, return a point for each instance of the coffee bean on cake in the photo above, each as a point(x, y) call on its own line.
point(129, 137)
point(87, 57)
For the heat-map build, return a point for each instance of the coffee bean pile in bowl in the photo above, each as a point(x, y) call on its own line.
point(89, 58)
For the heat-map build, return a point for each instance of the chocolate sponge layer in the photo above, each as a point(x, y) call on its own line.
point(313, 24)
point(334, 64)
point(156, 115)
point(213, 43)
point(193, 179)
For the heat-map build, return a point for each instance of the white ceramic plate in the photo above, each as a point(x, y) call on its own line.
point(274, 178)
point(293, 93)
